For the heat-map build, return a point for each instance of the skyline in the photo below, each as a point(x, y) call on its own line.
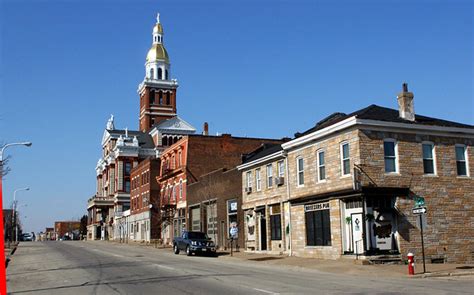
point(331, 59)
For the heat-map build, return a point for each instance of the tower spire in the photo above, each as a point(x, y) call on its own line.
point(158, 18)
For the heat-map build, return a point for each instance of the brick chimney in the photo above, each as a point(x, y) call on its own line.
point(406, 106)
point(205, 129)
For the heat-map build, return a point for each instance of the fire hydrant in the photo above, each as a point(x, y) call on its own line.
point(411, 264)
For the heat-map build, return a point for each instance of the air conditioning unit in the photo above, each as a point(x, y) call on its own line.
point(248, 190)
point(280, 180)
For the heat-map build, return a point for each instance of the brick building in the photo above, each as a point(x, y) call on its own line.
point(144, 221)
point(187, 160)
point(66, 228)
point(352, 180)
point(123, 150)
point(212, 205)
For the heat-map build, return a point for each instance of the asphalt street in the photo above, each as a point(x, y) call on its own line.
point(75, 267)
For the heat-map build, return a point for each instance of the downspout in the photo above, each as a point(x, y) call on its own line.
point(285, 155)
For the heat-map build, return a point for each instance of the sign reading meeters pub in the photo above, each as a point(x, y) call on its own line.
point(317, 206)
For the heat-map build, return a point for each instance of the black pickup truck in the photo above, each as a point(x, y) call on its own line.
point(194, 242)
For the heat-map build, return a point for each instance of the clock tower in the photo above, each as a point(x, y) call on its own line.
point(157, 91)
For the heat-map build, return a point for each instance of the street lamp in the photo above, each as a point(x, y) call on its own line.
point(3, 277)
point(15, 217)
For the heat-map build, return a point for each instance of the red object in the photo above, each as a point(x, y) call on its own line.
point(3, 274)
point(411, 264)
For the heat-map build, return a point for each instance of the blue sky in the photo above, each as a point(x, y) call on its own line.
point(249, 68)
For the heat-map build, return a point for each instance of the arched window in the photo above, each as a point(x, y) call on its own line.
point(164, 140)
point(168, 99)
point(166, 74)
point(161, 97)
point(160, 74)
point(152, 96)
point(152, 74)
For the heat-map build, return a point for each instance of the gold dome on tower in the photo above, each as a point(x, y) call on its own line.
point(157, 52)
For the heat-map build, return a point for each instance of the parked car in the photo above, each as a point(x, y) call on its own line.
point(194, 242)
point(26, 237)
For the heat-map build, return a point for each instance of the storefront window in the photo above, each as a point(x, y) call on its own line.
point(318, 225)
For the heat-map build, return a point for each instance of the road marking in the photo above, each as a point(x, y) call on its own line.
point(165, 267)
point(265, 291)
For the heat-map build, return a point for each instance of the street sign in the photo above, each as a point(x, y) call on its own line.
point(419, 210)
point(419, 201)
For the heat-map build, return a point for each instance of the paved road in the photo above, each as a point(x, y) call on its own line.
point(105, 268)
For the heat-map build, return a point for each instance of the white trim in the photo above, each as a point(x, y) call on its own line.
point(298, 171)
point(260, 160)
point(258, 179)
point(466, 159)
point(248, 179)
point(268, 176)
point(433, 153)
point(406, 127)
point(395, 147)
point(341, 154)
point(318, 166)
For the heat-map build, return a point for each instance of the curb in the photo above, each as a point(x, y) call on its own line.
point(444, 274)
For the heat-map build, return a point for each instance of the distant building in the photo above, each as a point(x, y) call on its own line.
point(66, 228)
point(123, 150)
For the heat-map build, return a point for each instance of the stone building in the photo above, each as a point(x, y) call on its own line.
point(185, 162)
point(212, 205)
point(265, 200)
point(353, 179)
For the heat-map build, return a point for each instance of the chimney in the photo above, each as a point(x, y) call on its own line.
point(406, 107)
point(205, 129)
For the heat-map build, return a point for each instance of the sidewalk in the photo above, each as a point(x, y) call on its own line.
point(8, 251)
point(350, 267)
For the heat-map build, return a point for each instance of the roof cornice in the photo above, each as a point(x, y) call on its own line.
point(276, 155)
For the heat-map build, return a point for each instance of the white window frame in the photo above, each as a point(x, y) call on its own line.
point(258, 180)
point(433, 152)
point(397, 168)
point(281, 168)
point(248, 176)
point(298, 171)
point(269, 176)
point(466, 160)
point(341, 151)
point(318, 165)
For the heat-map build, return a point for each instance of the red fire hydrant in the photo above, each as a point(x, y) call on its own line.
point(411, 264)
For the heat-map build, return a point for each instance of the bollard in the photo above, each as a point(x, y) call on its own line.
point(411, 264)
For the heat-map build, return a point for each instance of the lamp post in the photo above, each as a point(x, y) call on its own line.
point(15, 208)
point(3, 277)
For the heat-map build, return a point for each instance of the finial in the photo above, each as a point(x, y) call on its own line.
point(158, 18)
point(126, 132)
point(405, 87)
point(110, 123)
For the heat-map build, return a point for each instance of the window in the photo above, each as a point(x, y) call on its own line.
point(152, 96)
point(321, 166)
point(160, 73)
point(128, 168)
point(275, 223)
point(345, 159)
point(152, 73)
point(269, 176)
point(127, 186)
point(173, 192)
point(281, 169)
point(180, 160)
point(390, 155)
point(258, 180)
point(168, 99)
point(461, 162)
point(249, 178)
point(300, 171)
point(181, 189)
point(428, 158)
point(318, 228)
point(166, 74)
point(161, 97)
